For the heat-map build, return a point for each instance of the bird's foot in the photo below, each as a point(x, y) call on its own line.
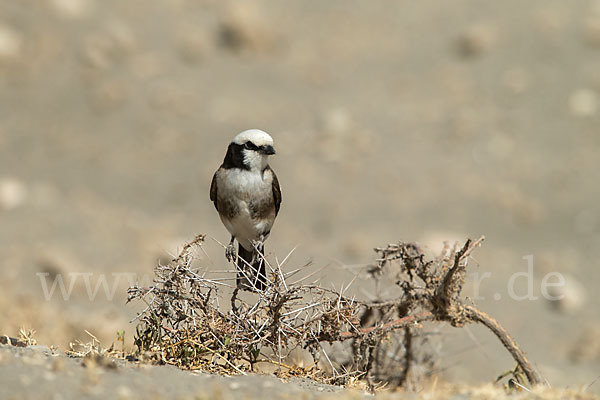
point(258, 244)
point(230, 252)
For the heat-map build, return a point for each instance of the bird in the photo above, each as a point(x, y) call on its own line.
point(247, 196)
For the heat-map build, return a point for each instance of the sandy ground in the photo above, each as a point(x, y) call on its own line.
point(42, 373)
point(419, 121)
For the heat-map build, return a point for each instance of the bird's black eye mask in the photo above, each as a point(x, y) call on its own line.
point(235, 156)
point(250, 146)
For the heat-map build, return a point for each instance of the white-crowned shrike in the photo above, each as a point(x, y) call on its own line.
point(247, 196)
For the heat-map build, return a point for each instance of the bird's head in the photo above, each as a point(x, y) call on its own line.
point(256, 146)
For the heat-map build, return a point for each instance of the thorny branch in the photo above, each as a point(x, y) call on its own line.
point(183, 323)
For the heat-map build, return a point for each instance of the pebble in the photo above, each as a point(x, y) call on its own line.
point(122, 36)
point(97, 52)
point(25, 380)
point(500, 146)
point(73, 9)
point(110, 47)
point(109, 95)
point(464, 124)
point(192, 45)
point(11, 43)
point(527, 210)
point(591, 31)
point(587, 346)
point(49, 376)
point(146, 66)
point(12, 193)
point(56, 261)
point(476, 40)
point(552, 19)
point(124, 392)
point(568, 298)
point(583, 103)
point(356, 244)
point(34, 359)
point(336, 121)
point(44, 194)
point(243, 27)
point(517, 80)
point(338, 138)
point(586, 221)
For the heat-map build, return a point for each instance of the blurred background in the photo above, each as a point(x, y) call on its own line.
point(417, 121)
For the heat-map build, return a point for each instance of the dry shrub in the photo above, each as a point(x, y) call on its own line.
point(185, 324)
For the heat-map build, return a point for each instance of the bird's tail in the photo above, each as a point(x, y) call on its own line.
point(251, 274)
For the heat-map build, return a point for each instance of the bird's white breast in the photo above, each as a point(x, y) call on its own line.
point(246, 185)
point(241, 187)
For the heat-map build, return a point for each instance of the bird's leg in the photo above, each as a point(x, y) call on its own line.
point(230, 250)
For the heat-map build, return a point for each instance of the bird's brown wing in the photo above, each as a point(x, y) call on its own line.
point(213, 190)
point(276, 192)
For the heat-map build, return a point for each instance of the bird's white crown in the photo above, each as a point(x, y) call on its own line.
point(256, 136)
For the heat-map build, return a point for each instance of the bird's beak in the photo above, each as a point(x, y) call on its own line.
point(267, 149)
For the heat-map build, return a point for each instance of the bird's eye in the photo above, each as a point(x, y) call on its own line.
point(250, 146)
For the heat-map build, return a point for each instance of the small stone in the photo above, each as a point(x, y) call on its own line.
point(476, 40)
point(500, 146)
point(583, 103)
point(586, 221)
point(587, 346)
point(568, 298)
point(591, 31)
point(122, 36)
point(97, 52)
point(192, 45)
point(109, 95)
point(552, 19)
point(58, 365)
point(93, 361)
point(110, 47)
point(517, 80)
point(34, 359)
point(124, 392)
point(356, 244)
point(244, 28)
point(464, 124)
point(334, 129)
point(25, 380)
point(12, 193)
point(44, 194)
point(336, 121)
point(72, 9)
point(146, 66)
point(268, 384)
point(55, 262)
point(11, 43)
point(49, 375)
